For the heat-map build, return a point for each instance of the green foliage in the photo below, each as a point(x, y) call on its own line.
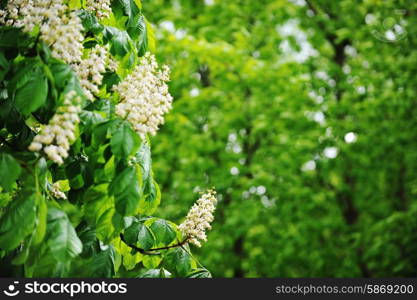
point(91, 215)
point(163, 231)
point(62, 238)
point(263, 90)
point(17, 222)
point(124, 141)
point(140, 235)
point(301, 113)
point(125, 188)
point(9, 171)
point(179, 262)
point(34, 88)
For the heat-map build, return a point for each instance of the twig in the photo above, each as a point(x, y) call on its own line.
point(149, 251)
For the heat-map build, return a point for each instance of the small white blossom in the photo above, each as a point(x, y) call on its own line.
point(90, 70)
point(101, 8)
point(56, 137)
point(59, 27)
point(144, 96)
point(64, 36)
point(57, 193)
point(112, 64)
point(199, 218)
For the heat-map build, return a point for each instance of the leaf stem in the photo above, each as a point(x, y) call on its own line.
point(150, 251)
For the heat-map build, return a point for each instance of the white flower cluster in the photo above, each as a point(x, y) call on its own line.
point(59, 28)
point(199, 218)
point(11, 16)
point(112, 64)
point(64, 35)
point(144, 96)
point(90, 70)
point(55, 138)
point(101, 8)
point(57, 193)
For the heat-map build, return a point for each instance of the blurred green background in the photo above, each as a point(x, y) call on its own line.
point(302, 114)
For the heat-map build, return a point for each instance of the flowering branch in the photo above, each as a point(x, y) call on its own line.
point(199, 218)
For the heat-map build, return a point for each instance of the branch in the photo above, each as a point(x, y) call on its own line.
point(149, 251)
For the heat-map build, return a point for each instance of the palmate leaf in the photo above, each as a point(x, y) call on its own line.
point(140, 235)
point(62, 239)
point(124, 141)
point(164, 232)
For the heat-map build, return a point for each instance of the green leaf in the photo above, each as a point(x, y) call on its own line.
point(62, 238)
point(4, 66)
point(33, 94)
point(90, 22)
point(124, 141)
point(98, 211)
point(9, 171)
point(89, 119)
point(101, 132)
point(88, 237)
point(179, 261)
point(104, 227)
point(62, 73)
point(74, 4)
point(155, 273)
point(74, 171)
point(129, 7)
point(23, 253)
point(102, 264)
point(199, 273)
point(138, 3)
point(120, 43)
point(126, 190)
point(151, 194)
point(17, 221)
point(25, 72)
point(12, 37)
point(42, 263)
point(151, 261)
point(164, 232)
point(140, 235)
point(142, 40)
point(150, 34)
point(131, 260)
point(41, 222)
